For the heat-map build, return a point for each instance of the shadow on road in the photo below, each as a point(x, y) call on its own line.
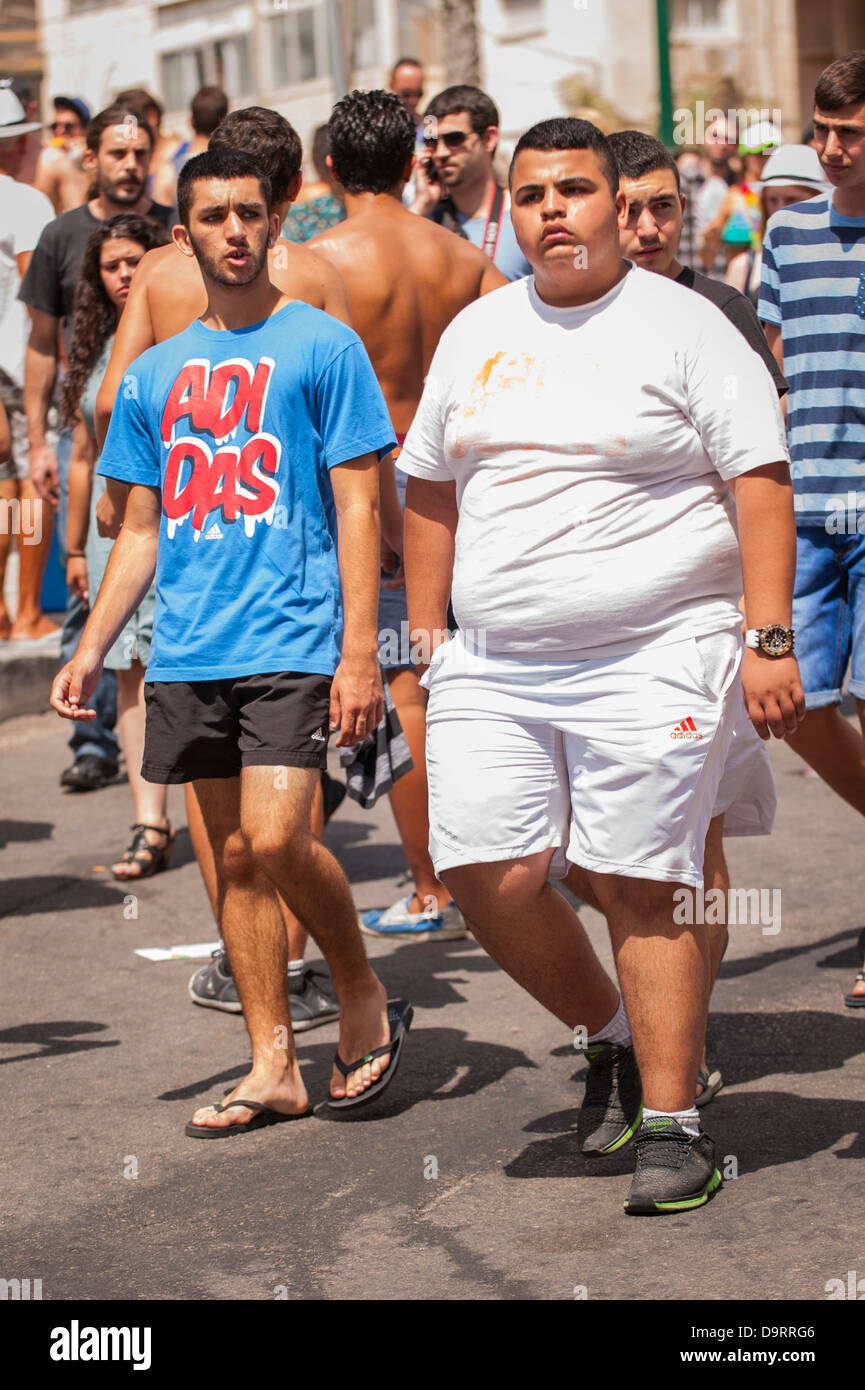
point(21, 830)
point(53, 1039)
point(759, 1132)
point(438, 1064)
point(849, 957)
point(21, 897)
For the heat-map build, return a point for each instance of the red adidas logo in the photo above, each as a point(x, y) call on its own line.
point(687, 729)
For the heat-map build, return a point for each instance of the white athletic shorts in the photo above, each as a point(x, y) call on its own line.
point(746, 797)
point(613, 764)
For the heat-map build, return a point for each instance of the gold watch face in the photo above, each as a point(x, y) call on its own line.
point(776, 640)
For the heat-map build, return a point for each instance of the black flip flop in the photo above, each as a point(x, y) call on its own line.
point(264, 1116)
point(399, 1015)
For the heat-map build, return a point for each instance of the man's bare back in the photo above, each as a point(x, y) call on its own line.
point(406, 279)
point(168, 294)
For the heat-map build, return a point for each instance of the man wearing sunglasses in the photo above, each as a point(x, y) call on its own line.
point(456, 184)
point(60, 173)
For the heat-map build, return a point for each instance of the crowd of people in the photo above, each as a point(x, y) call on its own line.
point(493, 456)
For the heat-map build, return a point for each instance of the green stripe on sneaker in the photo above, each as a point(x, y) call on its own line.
point(628, 1134)
point(689, 1202)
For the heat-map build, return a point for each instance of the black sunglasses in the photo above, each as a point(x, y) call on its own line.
point(453, 139)
point(406, 92)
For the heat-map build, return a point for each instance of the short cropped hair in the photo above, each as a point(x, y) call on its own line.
point(453, 101)
point(570, 133)
point(118, 114)
point(842, 83)
point(208, 107)
point(140, 97)
point(218, 164)
point(372, 138)
point(269, 138)
point(637, 154)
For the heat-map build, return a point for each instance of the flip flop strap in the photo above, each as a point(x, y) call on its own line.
point(369, 1057)
point(158, 829)
point(250, 1105)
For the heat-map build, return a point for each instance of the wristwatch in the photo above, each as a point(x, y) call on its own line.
point(775, 640)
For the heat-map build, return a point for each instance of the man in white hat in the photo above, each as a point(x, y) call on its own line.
point(792, 174)
point(23, 214)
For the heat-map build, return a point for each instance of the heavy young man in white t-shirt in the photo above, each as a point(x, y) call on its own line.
point(569, 468)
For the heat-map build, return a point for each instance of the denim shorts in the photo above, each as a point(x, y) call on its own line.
point(829, 614)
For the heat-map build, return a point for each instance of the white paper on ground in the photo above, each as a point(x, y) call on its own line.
point(200, 951)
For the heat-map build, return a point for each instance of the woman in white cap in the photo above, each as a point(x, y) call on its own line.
point(793, 174)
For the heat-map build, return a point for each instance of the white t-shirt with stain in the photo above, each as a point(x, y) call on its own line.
point(589, 448)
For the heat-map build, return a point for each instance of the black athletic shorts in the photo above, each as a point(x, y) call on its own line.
point(198, 729)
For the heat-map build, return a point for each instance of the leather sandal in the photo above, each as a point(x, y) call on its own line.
point(159, 855)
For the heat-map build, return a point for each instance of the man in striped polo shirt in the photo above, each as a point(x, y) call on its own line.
point(812, 298)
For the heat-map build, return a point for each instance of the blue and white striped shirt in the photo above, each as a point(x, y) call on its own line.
point(814, 286)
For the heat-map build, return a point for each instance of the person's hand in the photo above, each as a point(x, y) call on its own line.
point(108, 519)
point(74, 684)
point(76, 577)
point(426, 192)
point(356, 699)
point(773, 693)
point(44, 475)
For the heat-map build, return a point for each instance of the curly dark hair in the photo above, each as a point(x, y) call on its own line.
point(271, 140)
point(95, 315)
point(372, 138)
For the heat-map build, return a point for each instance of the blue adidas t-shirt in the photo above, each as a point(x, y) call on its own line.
point(813, 285)
point(239, 430)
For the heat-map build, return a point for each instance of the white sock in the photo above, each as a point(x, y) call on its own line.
point(296, 967)
point(617, 1030)
point(688, 1119)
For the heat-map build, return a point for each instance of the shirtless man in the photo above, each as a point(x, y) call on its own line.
point(60, 173)
point(168, 294)
point(406, 279)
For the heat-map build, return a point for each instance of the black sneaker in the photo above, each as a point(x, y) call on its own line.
point(213, 985)
point(88, 773)
point(675, 1171)
point(311, 1005)
point(613, 1104)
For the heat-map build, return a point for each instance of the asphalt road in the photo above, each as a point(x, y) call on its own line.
point(466, 1182)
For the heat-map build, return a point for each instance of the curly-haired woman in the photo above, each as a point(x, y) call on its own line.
point(109, 264)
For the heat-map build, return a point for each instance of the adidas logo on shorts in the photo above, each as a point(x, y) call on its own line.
point(687, 729)
point(319, 736)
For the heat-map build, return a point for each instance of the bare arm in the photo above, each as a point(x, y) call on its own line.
point(492, 278)
point(40, 372)
point(430, 528)
point(767, 541)
point(134, 336)
point(78, 519)
point(357, 701)
point(776, 347)
point(391, 511)
point(130, 571)
point(335, 295)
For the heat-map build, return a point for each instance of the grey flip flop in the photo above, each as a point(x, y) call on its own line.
point(711, 1083)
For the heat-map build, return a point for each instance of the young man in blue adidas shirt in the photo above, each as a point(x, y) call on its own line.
point(812, 298)
point(251, 443)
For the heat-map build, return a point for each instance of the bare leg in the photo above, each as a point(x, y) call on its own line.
point(8, 494)
point(834, 749)
point(150, 798)
point(409, 798)
point(828, 743)
point(663, 970)
point(254, 935)
point(296, 933)
point(535, 935)
point(276, 828)
point(30, 621)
